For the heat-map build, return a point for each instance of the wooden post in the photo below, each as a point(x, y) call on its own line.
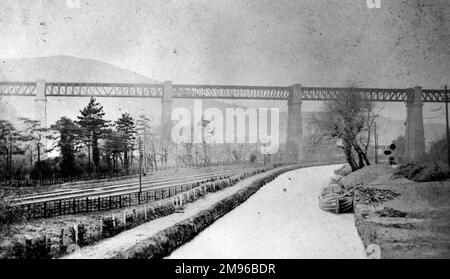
point(61, 240)
point(140, 170)
point(376, 143)
point(446, 125)
point(45, 209)
point(75, 230)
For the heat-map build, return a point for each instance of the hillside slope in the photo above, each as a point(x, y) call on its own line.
point(66, 69)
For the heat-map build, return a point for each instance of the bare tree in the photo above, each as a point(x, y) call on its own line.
point(348, 119)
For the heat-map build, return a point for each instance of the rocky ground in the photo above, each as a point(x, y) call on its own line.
point(405, 219)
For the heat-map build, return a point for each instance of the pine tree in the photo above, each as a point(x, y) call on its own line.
point(68, 139)
point(127, 129)
point(93, 128)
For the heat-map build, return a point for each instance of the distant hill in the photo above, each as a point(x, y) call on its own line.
point(67, 69)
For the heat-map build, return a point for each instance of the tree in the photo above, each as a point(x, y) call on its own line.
point(10, 140)
point(37, 135)
point(113, 148)
point(93, 128)
point(145, 130)
point(127, 130)
point(68, 139)
point(438, 151)
point(348, 119)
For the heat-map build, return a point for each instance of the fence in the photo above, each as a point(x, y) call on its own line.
point(100, 176)
point(84, 205)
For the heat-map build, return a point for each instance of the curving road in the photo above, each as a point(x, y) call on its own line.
point(282, 220)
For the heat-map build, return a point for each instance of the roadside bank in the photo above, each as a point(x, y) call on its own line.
point(403, 218)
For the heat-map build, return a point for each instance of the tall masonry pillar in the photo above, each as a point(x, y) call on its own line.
point(415, 137)
point(167, 100)
point(294, 141)
point(40, 103)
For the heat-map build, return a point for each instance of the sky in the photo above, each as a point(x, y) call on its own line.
point(312, 42)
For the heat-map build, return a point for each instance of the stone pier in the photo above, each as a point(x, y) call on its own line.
point(40, 105)
point(294, 141)
point(167, 101)
point(415, 137)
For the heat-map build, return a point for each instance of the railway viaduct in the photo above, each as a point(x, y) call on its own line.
point(294, 95)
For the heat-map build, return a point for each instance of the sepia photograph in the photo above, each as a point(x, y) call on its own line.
point(252, 131)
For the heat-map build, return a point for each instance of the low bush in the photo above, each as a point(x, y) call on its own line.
point(423, 172)
point(8, 214)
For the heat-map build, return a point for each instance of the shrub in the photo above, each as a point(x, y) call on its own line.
point(423, 172)
point(8, 213)
point(253, 158)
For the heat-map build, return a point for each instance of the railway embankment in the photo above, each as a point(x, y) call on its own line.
point(159, 238)
point(400, 218)
point(58, 236)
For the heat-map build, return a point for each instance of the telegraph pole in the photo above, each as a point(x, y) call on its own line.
point(376, 142)
point(140, 170)
point(446, 125)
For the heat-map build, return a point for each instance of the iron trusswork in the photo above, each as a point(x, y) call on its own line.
point(17, 88)
point(148, 90)
point(231, 92)
point(372, 94)
point(295, 128)
point(415, 138)
point(104, 90)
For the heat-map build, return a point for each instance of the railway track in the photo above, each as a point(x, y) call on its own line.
point(119, 188)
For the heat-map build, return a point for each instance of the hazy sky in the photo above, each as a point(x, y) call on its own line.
point(261, 42)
